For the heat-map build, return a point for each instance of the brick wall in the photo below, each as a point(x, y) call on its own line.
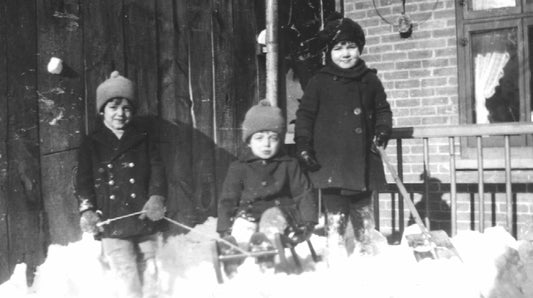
point(420, 77)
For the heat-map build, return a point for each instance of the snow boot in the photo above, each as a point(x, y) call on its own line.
point(259, 242)
point(230, 266)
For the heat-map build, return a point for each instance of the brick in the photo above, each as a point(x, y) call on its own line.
point(394, 56)
point(444, 32)
point(423, 111)
point(410, 121)
point(433, 43)
point(407, 84)
point(432, 101)
point(448, 52)
point(423, 92)
point(396, 75)
point(432, 82)
point(435, 63)
point(408, 64)
point(380, 30)
point(414, 45)
point(423, 54)
point(373, 58)
point(397, 94)
point(419, 73)
point(384, 66)
point(435, 120)
point(379, 49)
point(446, 91)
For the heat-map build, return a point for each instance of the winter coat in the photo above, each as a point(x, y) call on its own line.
point(254, 185)
point(117, 177)
point(339, 114)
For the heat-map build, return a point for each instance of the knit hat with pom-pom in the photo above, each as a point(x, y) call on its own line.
point(115, 86)
point(339, 29)
point(263, 117)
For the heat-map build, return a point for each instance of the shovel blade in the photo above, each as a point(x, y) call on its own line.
point(435, 246)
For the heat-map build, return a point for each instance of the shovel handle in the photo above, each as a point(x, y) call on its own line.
point(402, 190)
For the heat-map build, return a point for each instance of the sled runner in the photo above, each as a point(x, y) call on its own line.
point(267, 246)
point(427, 244)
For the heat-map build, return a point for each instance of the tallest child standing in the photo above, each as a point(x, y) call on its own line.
point(343, 111)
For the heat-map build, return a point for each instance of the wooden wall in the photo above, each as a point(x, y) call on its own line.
point(196, 68)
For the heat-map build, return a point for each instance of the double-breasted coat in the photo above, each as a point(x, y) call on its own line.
point(338, 115)
point(254, 185)
point(117, 177)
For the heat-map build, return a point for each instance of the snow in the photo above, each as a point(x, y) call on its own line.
point(493, 264)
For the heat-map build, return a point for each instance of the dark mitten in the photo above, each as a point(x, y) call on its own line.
point(154, 208)
point(88, 222)
point(302, 233)
point(382, 137)
point(308, 161)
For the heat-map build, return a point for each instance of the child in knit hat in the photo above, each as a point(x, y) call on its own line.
point(343, 112)
point(265, 177)
point(121, 187)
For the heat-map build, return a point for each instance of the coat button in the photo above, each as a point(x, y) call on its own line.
point(101, 170)
point(133, 195)
point(357, 111)
point(110, 166)
point(335, 78)
point(264, 183)
point(277, 202)
point(111, 182)
point(112, 197)
point(132, 181)
point(131, 164)
point(358, 130)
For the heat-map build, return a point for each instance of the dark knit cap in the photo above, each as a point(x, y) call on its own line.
point(339, 29)
point(115, 86)
point(263, 117)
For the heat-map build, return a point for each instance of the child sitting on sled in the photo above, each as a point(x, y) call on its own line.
point(265, 177)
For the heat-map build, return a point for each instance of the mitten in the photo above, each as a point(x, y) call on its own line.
point(308, 161)
point(302, 233)
point(88, 221)
point(154, 208)
point(382, 137)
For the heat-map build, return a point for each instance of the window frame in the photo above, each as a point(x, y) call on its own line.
point(469, 23)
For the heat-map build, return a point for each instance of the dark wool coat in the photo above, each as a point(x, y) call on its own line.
point(117, 177)
point(338, 114)
point(254, 185)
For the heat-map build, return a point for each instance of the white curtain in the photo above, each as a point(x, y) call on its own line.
point(491, 4)
point(488, 71)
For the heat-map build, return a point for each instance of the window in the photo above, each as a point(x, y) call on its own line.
point(495, 41)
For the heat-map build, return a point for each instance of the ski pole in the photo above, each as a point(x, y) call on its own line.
point(212, 238)
point(109, 220)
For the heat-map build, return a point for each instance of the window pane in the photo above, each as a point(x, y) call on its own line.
point(492, 4)
point(496, 91)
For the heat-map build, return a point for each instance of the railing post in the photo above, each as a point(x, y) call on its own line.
point(399, 163)
point(508, 185)
point(481, 188)
point(453, 188)
point(426, 181)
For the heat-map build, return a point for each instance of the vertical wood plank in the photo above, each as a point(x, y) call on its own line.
point(245, 62)
point(227, 123)
point(176, 127)
point(25, 219)
point(4, 245)
point(60, 96)
point(141, 52)
point(200, 80)
point(61, 111)
point(103, 52)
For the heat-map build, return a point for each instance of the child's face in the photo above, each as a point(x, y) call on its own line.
point(345, 54)
point(118, 113)
point(265, 144)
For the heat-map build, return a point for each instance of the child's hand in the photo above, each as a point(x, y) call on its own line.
point(154, 208)
point(308, 161)
point(382, 139)
point(88, 222)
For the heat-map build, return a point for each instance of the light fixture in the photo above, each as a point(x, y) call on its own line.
point(404, 22)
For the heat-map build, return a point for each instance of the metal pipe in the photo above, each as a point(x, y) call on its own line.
point(453, 187)
point(481, 190)
point(508, 185)
point(272, 52)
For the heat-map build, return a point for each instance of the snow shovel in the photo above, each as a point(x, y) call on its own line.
point(428, 244)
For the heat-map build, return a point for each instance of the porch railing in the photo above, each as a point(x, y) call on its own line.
point(477, 131)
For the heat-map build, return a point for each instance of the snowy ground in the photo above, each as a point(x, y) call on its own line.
point(493, 265)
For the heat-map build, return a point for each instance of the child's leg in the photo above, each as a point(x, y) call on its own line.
point(336, 207)
point(123, 262)
point(147, 265)
point(362, 216)
point(242, 230)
